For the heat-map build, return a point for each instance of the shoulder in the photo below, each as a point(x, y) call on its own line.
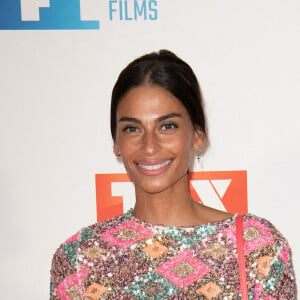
point(90, 232)
point(65, 257)
point(66, 262)
point(255, 226)
point(260, 236)
point(268, 255)
point(264, 243)
point(207, 214)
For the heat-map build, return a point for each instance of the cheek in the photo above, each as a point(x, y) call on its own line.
point(126, 148)
point(183, 145)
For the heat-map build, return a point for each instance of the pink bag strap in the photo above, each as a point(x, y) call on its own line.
point(241, 256)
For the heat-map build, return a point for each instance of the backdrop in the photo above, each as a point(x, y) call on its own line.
point(59, 61)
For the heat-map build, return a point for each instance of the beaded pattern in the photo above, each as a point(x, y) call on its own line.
point(125, 258)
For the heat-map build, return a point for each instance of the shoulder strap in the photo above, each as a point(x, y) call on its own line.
point(241, 256)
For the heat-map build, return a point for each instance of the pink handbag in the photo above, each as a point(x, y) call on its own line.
point(241, 256)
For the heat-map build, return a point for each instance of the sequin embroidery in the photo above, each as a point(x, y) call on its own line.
point(126, 258)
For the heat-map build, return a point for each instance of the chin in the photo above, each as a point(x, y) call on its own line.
point(151, 187)
point(156, 186)
point(153, 190)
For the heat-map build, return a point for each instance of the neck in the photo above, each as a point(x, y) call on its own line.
point(171, 207)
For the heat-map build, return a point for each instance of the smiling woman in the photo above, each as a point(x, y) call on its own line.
point(168, 246)
point(156, 147)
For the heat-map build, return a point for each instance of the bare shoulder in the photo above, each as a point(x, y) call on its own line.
point(212, 215)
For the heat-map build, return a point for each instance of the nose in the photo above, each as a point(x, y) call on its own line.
point(150, 143)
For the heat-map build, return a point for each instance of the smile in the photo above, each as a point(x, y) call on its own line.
point(154, 167)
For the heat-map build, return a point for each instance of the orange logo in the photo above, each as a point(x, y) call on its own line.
point(225, 190)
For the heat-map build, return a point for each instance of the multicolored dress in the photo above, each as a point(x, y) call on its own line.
point(126, 258)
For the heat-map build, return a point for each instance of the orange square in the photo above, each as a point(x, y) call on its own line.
point(155, 249)
point(210, 290)
point(264, 263)
point(94, 291)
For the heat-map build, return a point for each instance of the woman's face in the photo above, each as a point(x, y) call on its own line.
point(155, 138)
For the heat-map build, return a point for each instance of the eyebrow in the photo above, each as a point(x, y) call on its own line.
point(168, 116)
point(162, 118)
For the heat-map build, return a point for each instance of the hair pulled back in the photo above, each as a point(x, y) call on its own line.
point(166, 70)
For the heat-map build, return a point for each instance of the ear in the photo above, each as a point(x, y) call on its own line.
point(117, 150)
point(199, 139)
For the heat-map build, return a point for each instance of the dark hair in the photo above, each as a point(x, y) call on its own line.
point(168, 71)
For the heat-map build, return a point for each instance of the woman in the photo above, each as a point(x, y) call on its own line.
point(168, 246)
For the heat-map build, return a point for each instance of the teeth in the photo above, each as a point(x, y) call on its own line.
point(155, 167)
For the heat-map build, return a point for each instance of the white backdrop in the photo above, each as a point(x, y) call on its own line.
point(54, 117)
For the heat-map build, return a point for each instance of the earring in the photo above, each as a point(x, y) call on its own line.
point(198, 155)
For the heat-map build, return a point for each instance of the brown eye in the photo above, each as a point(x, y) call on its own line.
point(130, 129)
point(169, 125)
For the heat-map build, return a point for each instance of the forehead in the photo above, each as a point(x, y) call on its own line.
point(149, 100)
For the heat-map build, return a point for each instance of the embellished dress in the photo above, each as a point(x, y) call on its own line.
point(126, 258)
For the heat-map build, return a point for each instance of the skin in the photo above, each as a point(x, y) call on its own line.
point(157, 142)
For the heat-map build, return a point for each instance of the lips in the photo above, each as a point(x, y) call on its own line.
point(153, 168)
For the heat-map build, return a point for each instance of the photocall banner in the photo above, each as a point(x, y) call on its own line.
point(224, 190)
point(67, 14)
point(59, 62)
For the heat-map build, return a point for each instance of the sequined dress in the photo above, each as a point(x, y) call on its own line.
point(125, 258)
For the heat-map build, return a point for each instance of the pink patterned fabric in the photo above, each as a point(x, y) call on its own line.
point(72, 286)
point(126, 258)
point(73, 238)
point(197, 267)
point(264, 237)
point(141, 233)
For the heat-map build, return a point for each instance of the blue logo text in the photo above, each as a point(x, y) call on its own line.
point(60, 14)
point(125, 10)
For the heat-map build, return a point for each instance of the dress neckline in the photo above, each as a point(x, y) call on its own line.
point(159, 227)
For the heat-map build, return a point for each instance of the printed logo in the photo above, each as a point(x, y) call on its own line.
point(43, 14)
point(66, 14)
point(132, 10)
point(224, 190)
